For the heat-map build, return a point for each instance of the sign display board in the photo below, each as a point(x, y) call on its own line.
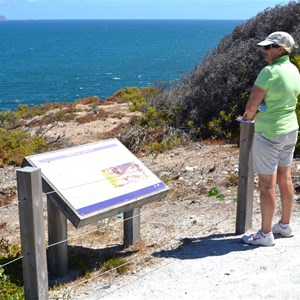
point(94, 178)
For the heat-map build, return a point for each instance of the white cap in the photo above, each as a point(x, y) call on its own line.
point(280, 38)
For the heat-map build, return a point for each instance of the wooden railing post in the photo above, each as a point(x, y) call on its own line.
point(131, 226)
point(57, 239)
point(35, 273)
point(246, 180)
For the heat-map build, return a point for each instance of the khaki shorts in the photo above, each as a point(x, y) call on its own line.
point(270, 153)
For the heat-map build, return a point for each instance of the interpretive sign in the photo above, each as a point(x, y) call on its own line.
point(94, 181)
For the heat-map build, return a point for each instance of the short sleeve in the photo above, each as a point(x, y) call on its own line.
point(263, 79)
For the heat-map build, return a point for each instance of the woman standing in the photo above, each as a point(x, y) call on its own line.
point(272, 105)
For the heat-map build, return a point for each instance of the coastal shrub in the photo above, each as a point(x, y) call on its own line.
point(119, 264)
point(94, 115)
point(24, 111)
point(50, 112)
point(137, 96)
point(8, 289)
point(129, 94)
point(65, 114)
point(89, 100)
point(11, 282)
point(16, 144)
point(154, 117)
point(216, 90)
point(152, 139)
point(221, 126)
point(9, 119)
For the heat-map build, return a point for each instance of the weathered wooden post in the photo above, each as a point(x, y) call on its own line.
point(131, 226)
point(246, 179)
point(35, 273)
point(57, 239)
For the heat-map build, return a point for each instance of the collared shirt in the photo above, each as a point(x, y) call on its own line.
point(281, 81)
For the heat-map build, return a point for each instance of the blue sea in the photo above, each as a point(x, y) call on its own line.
point(64, 60)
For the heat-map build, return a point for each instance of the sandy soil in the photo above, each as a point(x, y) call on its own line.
point(188, 246)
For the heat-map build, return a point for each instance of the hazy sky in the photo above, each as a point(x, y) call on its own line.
point(134, 9)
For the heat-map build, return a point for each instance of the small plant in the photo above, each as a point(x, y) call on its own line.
point(11, 285)
point(119, 264)
point(214, 192)
point(9, 290)
point(165, 178)
point(60, 295)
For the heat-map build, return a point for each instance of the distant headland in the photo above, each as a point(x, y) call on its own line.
point(2, 18)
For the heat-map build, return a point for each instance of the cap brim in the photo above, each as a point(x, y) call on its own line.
point(265, 43)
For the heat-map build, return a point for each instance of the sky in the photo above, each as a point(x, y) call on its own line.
point(134, 9)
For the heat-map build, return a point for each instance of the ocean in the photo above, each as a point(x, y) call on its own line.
point(64, 60)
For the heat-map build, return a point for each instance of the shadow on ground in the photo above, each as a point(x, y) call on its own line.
point(82, 261)
point(212, 245)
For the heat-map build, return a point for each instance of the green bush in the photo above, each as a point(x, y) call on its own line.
point(16, 144)
point(9, 119)
point(216, 90)
point(137, 96)
point(153, 117)
point(11, 282)
point(119, 264)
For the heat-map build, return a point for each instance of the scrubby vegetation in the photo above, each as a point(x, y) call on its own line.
point(209, 98)
point(203, 105)
point(16, 144)
point(136, 96)
point(11, 283)
point(206, 102)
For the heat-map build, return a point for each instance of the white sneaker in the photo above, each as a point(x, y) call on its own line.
point(286, 232)
point(259, 240)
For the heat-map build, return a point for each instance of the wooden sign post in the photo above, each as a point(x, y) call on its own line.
point(246, 180)
point(34, 262)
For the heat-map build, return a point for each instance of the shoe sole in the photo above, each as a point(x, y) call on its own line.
point(281, 235)
point(252, 244)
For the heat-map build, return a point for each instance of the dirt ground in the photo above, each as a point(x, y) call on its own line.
point(188, 210)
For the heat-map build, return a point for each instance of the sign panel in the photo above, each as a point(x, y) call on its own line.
point(96, 177)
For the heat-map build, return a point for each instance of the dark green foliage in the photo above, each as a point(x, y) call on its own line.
point(216, 91)
point(119, 264)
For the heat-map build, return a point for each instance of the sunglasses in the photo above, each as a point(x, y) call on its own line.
point(271, 46)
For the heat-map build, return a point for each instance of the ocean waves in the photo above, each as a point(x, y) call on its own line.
point(60, 61)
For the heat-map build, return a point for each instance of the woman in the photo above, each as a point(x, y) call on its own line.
point(272, 105)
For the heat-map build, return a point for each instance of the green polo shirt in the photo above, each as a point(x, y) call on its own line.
point(281, 81)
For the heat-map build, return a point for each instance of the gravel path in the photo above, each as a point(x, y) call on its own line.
point(217, 266)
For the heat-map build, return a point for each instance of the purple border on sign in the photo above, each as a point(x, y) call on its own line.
point(113, 201)
point(46, 160)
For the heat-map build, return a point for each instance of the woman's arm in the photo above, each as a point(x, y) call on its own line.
point(256, 96)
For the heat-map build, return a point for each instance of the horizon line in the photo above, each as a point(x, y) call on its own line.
point(107, 19)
